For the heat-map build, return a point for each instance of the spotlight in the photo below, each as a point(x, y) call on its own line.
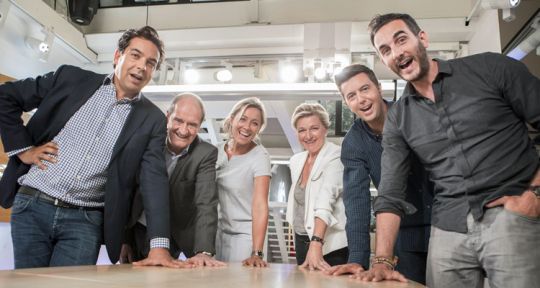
point(191, 76)
point(506, 6)
point(223, 75)
point(41, 48)
point(289, 74)
point(320, 73)
point(38, 47)
point(82, 11)
point(500, 4)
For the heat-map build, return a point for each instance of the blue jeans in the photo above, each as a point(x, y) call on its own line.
point(46, 235)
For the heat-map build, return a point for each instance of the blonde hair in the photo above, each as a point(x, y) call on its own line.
point(311, 109)
point(239, 109)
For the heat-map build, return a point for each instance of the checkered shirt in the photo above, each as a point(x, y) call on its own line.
point(86, 144)
point(85, 147)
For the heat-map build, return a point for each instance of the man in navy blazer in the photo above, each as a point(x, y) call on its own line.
point(361, 156)
point(75, 166)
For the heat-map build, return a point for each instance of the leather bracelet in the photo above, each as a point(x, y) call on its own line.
point(317, 239)
point(391, 263)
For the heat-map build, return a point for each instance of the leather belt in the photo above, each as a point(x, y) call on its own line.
point(51, 200)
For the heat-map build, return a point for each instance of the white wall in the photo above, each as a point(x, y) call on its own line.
point(486, 37)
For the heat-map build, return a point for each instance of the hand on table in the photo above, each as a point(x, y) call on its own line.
point(379, 272)
point(314, 258)
point(35, 155)
point(349, 268)
point(254, 261)
point(201, 259)
point(162, 257)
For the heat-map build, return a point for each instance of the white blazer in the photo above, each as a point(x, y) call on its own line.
point(323, 195)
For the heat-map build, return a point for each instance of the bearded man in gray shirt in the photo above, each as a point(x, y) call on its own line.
point(465, 119)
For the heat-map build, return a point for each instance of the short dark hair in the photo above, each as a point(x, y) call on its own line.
point(145, 32)
point(380, 20)
point(351, 71)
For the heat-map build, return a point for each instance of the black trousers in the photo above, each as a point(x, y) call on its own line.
point(301, 246)
point(412, 265)
point(137, 239)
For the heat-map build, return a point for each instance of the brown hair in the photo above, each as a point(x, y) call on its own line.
point(147, 33)
point(351, 71)
point(380, 20)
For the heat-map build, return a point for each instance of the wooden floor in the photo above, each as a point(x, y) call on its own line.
point(232, 276)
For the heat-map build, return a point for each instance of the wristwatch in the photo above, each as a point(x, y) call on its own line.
point(536, 190)
point(317, 239)
point(257, 253)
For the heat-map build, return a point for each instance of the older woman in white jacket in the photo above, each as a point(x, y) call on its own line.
point(315, 206)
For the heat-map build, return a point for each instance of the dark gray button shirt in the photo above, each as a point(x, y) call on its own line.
point(473, 140)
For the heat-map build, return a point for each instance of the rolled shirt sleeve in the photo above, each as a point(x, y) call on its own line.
point(395, 167)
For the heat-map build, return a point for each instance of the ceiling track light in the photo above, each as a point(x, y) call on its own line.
point(224, 75)
point(507, 7)
point(319, 70)
point(41, 48)
point(82, 11)
point(191, 76)
point(288, 72)
point(320, 73)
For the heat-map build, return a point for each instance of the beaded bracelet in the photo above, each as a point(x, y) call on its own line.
point(391, 263)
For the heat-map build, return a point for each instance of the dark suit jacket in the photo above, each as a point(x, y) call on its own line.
point(193, 200)
point(138, 152)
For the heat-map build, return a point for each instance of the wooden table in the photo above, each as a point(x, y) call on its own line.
point(232, 276)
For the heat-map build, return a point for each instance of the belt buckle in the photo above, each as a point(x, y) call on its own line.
point(55, 201)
